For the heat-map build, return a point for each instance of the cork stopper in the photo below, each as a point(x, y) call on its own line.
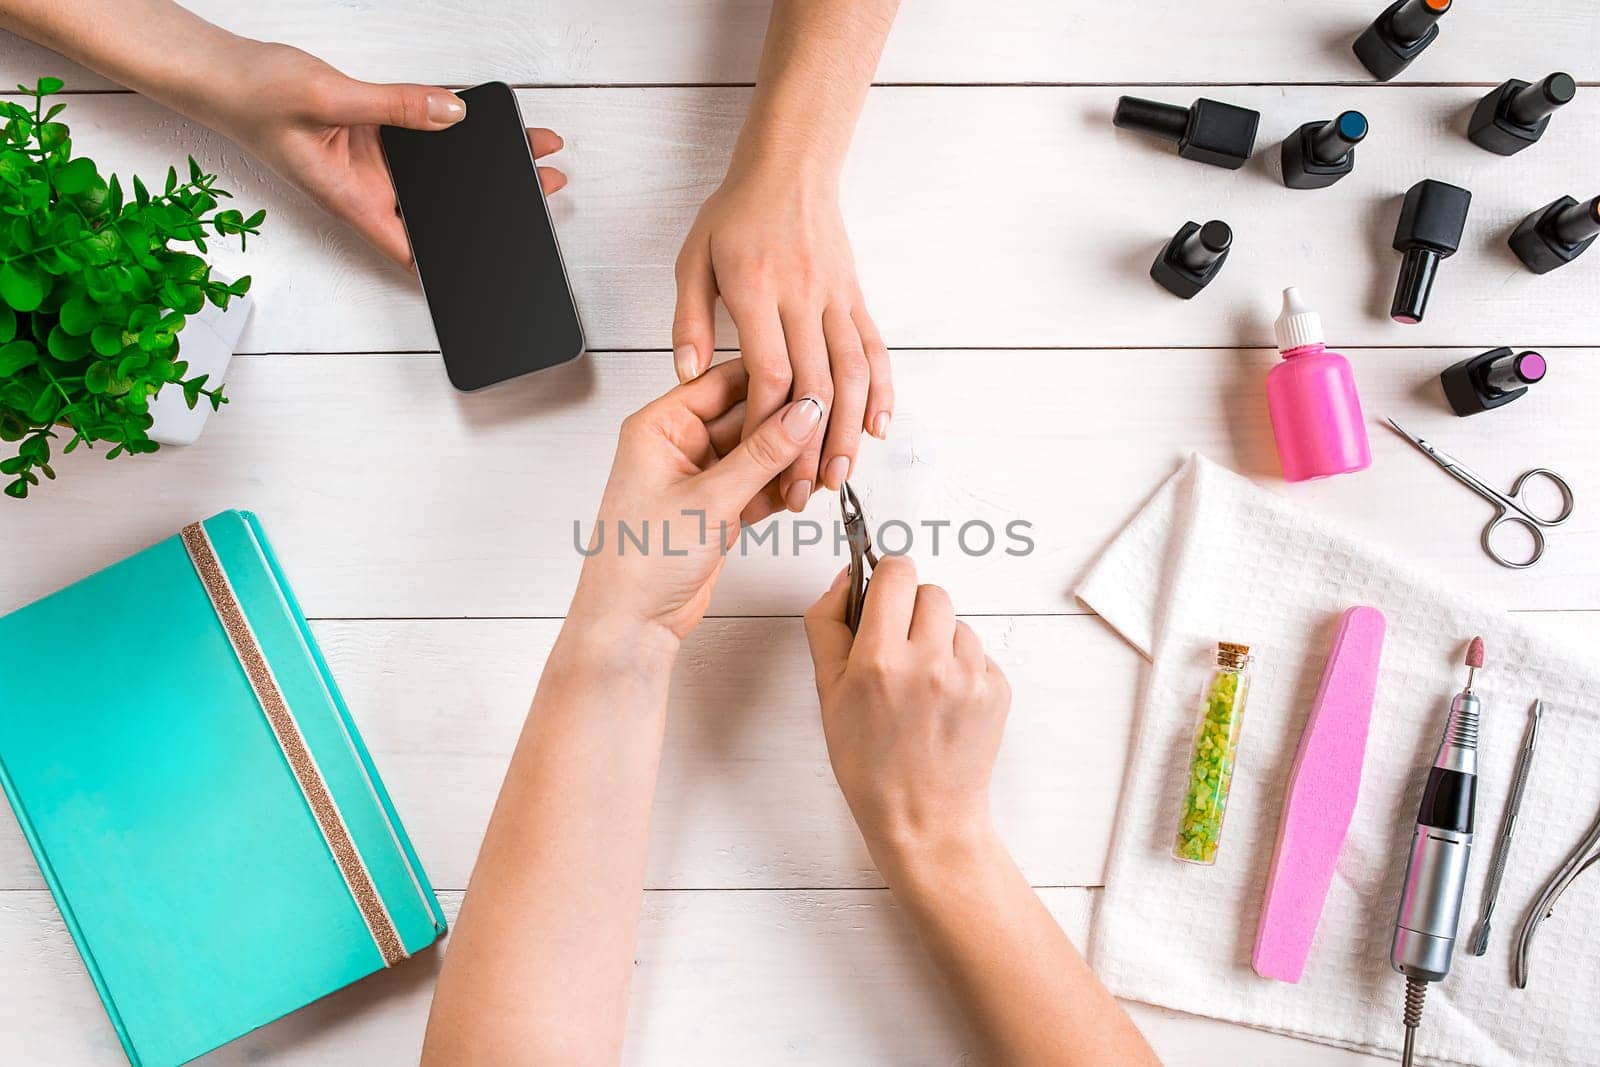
point(1232, 656)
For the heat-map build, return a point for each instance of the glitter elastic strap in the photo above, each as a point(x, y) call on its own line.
point(287, 732)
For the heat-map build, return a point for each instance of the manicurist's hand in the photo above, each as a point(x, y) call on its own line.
point(913, 711)
point(543, 950)
point(772, 245)
point(668, 482)
point(318, 128)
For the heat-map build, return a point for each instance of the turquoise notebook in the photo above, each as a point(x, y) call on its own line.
point(197, 796)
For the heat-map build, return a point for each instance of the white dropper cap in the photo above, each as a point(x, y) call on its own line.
point(1298, 325)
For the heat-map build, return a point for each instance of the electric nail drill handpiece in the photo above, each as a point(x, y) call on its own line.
point(1436, 872)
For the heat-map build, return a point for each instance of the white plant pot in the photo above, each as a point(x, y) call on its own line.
point(206, 343)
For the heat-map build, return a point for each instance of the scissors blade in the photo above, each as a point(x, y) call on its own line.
point(1433, 452)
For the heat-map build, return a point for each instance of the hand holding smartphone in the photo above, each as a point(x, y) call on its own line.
point(484, 244)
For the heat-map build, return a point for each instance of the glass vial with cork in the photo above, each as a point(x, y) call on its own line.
point(1216, 744)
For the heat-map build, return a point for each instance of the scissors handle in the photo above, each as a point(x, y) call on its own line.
point(1511, 518)
point(1514, 511)
point(1561, 487)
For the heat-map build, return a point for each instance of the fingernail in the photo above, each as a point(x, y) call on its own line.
point(446, 109)
point(838, 470)
point(880, 426)
point(838, 579)
point(797, 496)
point(687, 361)
point(801, 422)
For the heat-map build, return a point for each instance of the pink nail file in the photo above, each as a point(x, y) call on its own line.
point(1322, 795)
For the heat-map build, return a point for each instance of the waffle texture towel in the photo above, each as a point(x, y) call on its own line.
point(1214, 558)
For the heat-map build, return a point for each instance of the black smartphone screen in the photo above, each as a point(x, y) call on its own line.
point(485, 247)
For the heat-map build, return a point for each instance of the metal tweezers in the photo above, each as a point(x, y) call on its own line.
point(862, 555)
point(1582, 858)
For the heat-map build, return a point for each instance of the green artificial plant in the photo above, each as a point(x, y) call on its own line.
point(93, 291)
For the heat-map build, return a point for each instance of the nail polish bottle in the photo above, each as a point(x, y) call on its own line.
point(1320, 153)
point(1222, 135)
point(1399, 35)
point(1311, 397)
point(1515, 115)
point(1490, 380)
point(1556, 234)
point(1429, 232)
point(1192, 258)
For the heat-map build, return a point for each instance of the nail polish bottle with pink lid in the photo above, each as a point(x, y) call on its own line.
point(1311, 396)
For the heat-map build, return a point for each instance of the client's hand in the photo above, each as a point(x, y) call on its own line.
point(318, 129)
point(912, 710)
point(681, 502)
point(772, 244)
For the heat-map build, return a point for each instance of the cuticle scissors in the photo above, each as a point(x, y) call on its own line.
point(862, 555)
point(1511, 509)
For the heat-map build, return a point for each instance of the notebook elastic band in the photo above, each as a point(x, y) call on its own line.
point(380, 924)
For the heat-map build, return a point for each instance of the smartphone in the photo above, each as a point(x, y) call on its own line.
point(485, 247)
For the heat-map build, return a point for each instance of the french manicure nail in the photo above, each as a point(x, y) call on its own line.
point(880, 426)
point(801, 421)
point(838, 470)
point(446, 109)
point(687, 361)
point(799, 493)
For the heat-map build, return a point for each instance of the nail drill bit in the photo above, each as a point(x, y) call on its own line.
point(1436, 872)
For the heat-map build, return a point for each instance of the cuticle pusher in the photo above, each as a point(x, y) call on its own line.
point(1508, 824)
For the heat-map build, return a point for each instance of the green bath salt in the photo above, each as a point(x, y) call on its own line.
point(1211, 763)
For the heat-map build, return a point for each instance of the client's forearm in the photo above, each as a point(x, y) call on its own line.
point(816, 67)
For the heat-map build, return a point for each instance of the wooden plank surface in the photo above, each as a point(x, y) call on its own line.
point(746, 797)
point(389, 495)
point(980, 217)
point(600, 42)
point(1003, 230)
point(789, 977)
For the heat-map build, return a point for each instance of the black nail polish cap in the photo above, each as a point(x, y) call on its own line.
point(1320, 153)
point(1556, 234)
point(1515, 115)
point(1399, 35)
point(1210, 131)
point(1431, 222)
point(1192, 258)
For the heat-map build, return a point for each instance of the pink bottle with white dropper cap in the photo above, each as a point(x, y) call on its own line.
point(1311, 396)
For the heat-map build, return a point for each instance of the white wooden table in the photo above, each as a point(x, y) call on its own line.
point(1003, 230)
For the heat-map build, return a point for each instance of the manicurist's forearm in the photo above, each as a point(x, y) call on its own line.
point(537, 968)
point(154, 47)
point(1029, 994)
point(816, 67)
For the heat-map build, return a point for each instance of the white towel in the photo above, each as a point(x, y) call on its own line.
point(1213, 558)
